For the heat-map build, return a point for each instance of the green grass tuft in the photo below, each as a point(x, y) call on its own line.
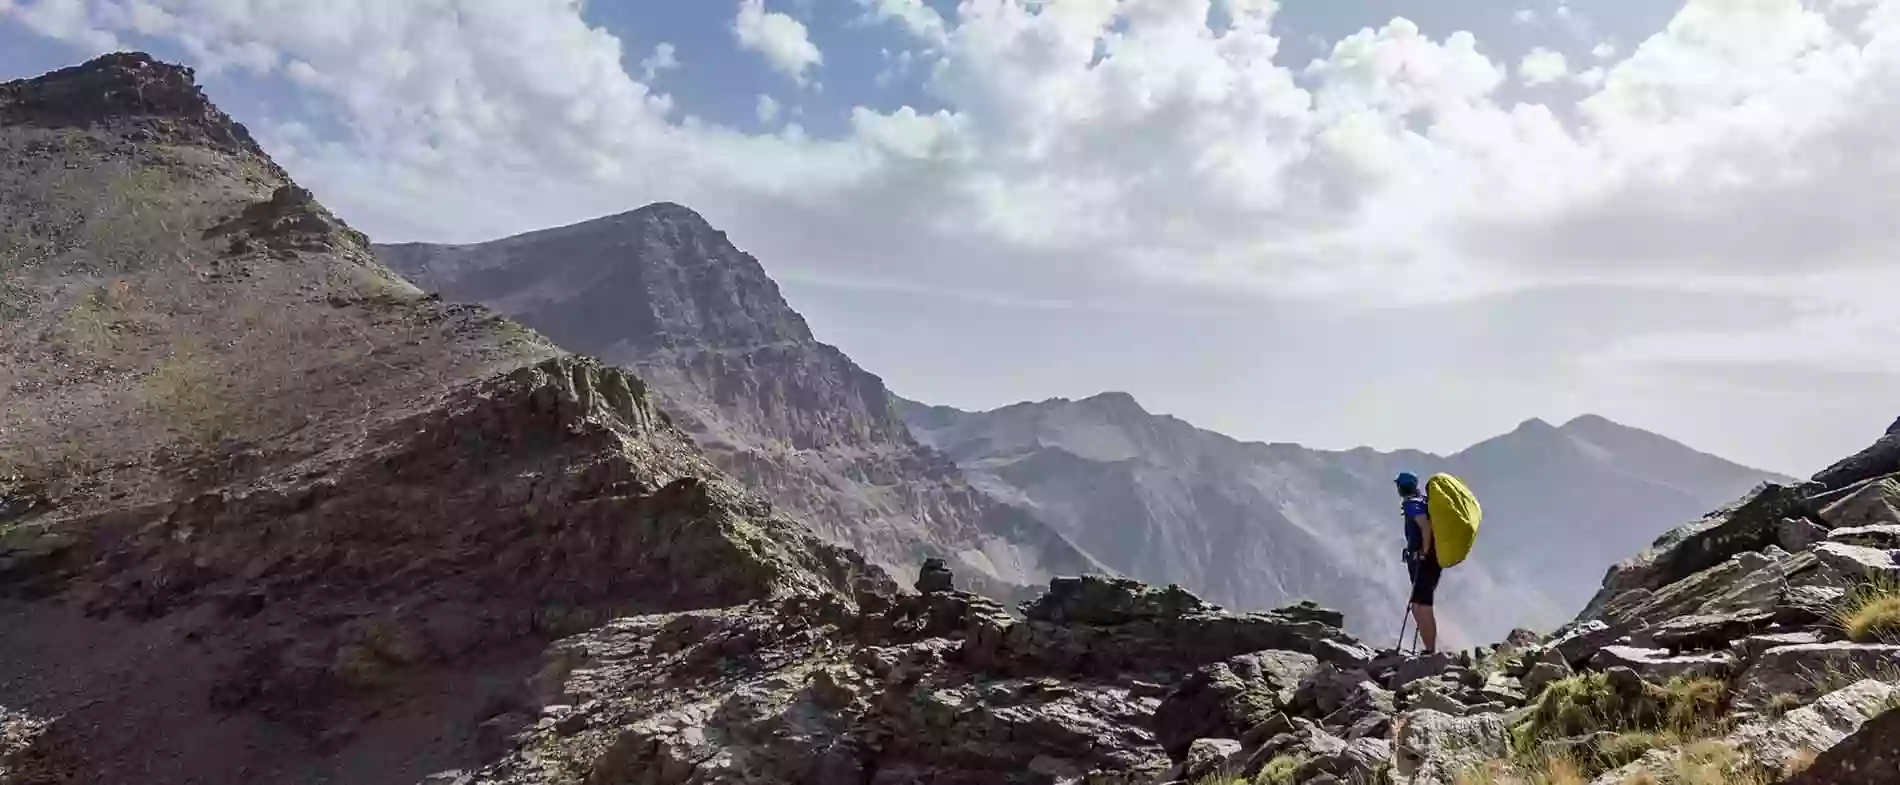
point(1871, 612)
point(1280, 770)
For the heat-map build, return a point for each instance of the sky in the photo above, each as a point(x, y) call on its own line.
point(1383, 223)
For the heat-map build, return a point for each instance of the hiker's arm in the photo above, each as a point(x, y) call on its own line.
point(1425, 534)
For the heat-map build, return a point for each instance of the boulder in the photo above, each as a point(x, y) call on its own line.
point(1372, 724)
point(1578, 644)
point(1360, 760)
point(1229, 697)
point(1307, 610)
point(1804, 605)
point(1711, 630)
point(1341, 698)
point(1433, 748)
point(1107, 627)
point(935, 577)
point(1749, 524)
point(1208, 758)
point(1095, 600)
point(1815, 728)
point(1805, 670)
point(1746, 584)
point(1799, 534)
point(1656, 665)
point(1503, 689)
point(1858, 563)
point(1868, 756)
point(1541, 675)
point(1520, 639)
point(1884, 536)
point(1872, 504)
point(1434, 700)
point(1421, 667)
point(1747, 649)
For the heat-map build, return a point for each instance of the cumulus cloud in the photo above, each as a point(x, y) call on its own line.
point(777, 37)
point(71, 21)
point(1094, 153)
point(662, 59)
point(1543, 66)
point(767, 110)
point(913, 16)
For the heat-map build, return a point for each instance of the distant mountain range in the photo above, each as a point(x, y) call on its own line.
point(1016, 495)
point(1252, 524)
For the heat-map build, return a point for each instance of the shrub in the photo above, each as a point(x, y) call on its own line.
point(1871, 612)
point(1280, 770)
point(1691, 706)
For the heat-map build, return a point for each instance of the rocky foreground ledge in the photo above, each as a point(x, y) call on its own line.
point(940, 686)
point(1739, 649)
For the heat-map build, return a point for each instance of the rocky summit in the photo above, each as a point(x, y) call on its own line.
point(378, 538)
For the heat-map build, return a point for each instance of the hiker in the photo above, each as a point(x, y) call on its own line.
point(1420, 558)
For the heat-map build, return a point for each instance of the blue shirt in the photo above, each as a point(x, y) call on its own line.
point(1413, 507)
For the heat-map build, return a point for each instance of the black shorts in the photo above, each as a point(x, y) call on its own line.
point(1425, 574)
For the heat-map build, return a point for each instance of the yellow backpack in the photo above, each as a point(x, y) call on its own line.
point(1455, 514)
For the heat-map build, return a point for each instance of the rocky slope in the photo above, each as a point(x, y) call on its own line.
point(1731, 651)
point(268, 513)
point(1255, 525)
point(662, 293)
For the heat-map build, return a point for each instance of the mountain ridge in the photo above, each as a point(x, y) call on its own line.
point(660, 291)
point(1066, 462)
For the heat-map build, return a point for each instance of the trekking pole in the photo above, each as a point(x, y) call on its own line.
point(1406, 617)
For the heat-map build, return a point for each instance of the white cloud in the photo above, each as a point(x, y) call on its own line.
point(777, 37)
point(1524, 16)
point(768, 109)
point(1543, 66)
point(662, 60)
point(1093, 150)
point(914, 16)
point(71, 21)
point(1603, 50)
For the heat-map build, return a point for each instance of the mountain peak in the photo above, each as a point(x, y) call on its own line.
point(1535, 425)
point(1114, 401)
point(672, 212)
point(1591, 421)
point(148, 99)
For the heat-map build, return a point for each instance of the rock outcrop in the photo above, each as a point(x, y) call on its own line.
point(1868, 756)
point(939, 687)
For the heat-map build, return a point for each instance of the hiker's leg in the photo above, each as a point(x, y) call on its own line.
point(1427, 626)
point(1424, 588)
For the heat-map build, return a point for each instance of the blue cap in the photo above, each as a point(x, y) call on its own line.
point(1407, 480)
